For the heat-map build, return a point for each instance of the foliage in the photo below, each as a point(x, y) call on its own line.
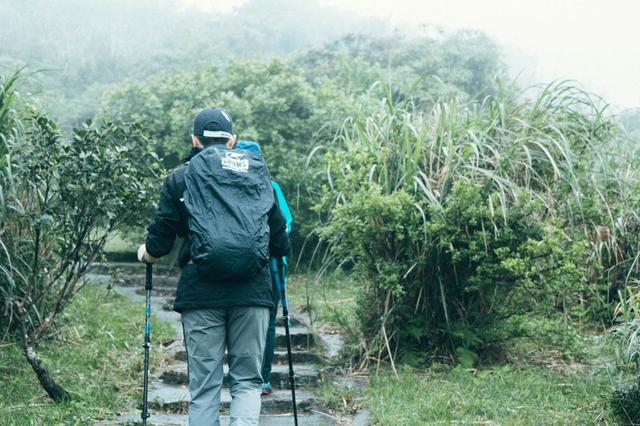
point(268, 102)
point(627, 330)
point(508, 394)
point(86, 48)
point(625, 397)
point(96, 353)
point(10, 131)
point(67, 196)
point(469, 213)
point(447, 65)
point(291, 106)
point(625, 402)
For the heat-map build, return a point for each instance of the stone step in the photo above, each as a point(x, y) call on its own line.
point(279, 357)
point(164, 419)
point(158, 291)
point(299, 357)
point(300, 337)
point(306, 375)
point(131, 268)
point(175, 399)
point(139, 280)
point(121, 256)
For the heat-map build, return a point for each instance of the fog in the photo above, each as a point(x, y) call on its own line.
point(590, 41)
point(81, 47)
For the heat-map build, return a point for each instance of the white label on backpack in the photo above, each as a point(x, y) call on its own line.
point(234, 161)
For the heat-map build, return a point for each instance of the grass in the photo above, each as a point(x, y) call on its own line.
point(560, 375)
point(509, 394)
point(538, 390)
point(120, 243)
point(330, 300)
point(97, 356)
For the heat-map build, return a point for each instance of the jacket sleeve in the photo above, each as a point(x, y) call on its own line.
point(284, 207)
point(167, 222)
point(279, 244)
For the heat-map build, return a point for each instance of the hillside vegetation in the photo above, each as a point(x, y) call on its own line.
point(471, 222)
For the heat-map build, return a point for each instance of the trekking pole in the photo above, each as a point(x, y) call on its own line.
point(281, 277)
point(147, 343)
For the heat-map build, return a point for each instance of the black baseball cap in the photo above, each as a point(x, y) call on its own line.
point(213, 123)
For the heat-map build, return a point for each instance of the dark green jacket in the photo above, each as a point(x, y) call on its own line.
point(194, 291)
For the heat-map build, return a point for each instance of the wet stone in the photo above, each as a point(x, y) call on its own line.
point(305, 375)
point(169, 396)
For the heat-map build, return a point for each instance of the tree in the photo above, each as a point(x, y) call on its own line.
point(67, 197)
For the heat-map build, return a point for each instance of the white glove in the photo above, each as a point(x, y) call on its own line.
point(143, 256)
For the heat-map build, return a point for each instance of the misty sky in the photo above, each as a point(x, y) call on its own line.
point(593, 41)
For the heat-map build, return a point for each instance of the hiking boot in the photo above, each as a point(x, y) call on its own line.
point(266, 389)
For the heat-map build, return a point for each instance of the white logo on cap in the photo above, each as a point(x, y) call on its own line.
point(225, 115)
point(216, 134)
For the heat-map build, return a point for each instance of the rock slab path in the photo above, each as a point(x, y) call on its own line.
point(168, 393)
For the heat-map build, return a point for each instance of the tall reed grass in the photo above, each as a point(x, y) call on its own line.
point(10, 130)
point(523, 174)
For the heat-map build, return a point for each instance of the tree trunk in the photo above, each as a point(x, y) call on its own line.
point(54, 390)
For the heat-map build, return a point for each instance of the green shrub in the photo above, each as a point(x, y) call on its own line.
point(448, 280)
point(289, 106)
point(625, 402)
point(66, 196)
point(468, 214)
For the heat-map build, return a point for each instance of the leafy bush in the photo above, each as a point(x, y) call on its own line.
point(289, 106)
point(270, 103)
point(66, 197)
point(459, 64)
point(626, 402)
point(467, 214)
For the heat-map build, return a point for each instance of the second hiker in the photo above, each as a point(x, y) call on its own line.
point(222, 203)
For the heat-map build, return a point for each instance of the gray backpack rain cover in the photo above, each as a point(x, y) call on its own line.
point(228, 196)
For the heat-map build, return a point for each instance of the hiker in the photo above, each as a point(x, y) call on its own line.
point(271, 332)
point(222, 203)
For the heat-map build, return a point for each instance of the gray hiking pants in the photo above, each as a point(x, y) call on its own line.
point(206, 333)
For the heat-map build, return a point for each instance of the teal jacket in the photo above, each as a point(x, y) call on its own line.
point(282, 204)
